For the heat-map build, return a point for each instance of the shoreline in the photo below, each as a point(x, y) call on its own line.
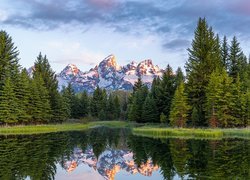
point(146, 130)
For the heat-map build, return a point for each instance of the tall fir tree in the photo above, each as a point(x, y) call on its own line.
point(204, 58)
point(167, 88)
point(136, 106)
point(69, 95)
point(8, 103)
point(117, 106)
point(179, 78)
point(43, 68)
point(84, 104)
point(219, 99)
point(9, 60)
point(179, 107)
point(225, 53)
point(149, 111)
point(23, 95)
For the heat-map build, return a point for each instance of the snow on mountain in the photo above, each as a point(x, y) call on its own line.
point(109, 75)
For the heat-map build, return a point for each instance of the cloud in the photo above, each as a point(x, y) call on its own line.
point(3, 15)
point(74, 52)
point(167, 19)
point(177, 44)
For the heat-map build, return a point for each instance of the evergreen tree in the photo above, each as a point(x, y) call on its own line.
point(225, 53)
point(8, 58)
point(204, 58)
point(8, 103)
point(135, 108)
point(238, 104)
point(179, 77)
point(61, 109)
point(110, 108)
point(219, 99)
point(43, 68)
point(166, 92)
point(69, 95)
point(179, 108)
point(43, 100)
point(234, 58)
point(23, 96)
point(117, 107)
point(149, 110)
point(84, 104)
point(138, 85)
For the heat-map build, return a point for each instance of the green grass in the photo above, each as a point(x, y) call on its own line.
point(191, 133)
point(37, 129)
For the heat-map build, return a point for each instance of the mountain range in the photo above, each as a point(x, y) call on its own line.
point(109, 75)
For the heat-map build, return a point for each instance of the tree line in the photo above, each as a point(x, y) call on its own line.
point(214, 93)
point(35, 98)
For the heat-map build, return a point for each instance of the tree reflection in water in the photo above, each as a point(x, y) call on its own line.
point(109, 151)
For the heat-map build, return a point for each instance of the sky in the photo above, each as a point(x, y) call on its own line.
point(84, 32)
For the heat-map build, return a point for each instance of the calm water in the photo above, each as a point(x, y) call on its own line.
point(105, 153)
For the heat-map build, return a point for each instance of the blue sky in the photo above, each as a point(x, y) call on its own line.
point(84, 32)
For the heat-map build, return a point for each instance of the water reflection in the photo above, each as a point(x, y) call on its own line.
point(112, 151)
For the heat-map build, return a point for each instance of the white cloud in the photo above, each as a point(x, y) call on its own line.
point(74, 52)
point(3, 15)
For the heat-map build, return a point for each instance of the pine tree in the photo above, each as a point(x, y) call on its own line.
point(135, 107)
point(204, 58)
point(8, 103)
point(61, 111)
point(110, 108)
point(23, 96)
point(44, 109)
point(8, 58)
point(225, 53)
point(166, 92)
point(179, 77)
point(149, 110)
point(138, 85)
point(179, 107)
point(117, 106)
point(84, 104)
point(43, 68)
point(239, 104)
point(219, 99)
point(68, 95)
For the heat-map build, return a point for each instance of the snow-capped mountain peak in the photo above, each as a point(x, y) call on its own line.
point(109, 75)
point(70, 71)
point(109, 62)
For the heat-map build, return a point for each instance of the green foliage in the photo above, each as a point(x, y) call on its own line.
point(204, 58)
point(8, 58)
point(8, 103)
point(163, 118)
point(149, 110)
point(219, 99)
point(166, 92)
point(179, 108)
point(136, 106)
point(225, 53)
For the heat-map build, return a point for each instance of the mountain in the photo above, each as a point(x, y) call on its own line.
point(109, 75)
point(109, 163)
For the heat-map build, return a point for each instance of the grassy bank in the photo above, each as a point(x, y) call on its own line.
point(36, 129)
point(190, 133)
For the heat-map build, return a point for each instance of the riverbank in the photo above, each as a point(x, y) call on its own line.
point(37, 129)
point(191, 133)
point(147, 130)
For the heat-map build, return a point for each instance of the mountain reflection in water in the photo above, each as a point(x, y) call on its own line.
point(116, 153)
